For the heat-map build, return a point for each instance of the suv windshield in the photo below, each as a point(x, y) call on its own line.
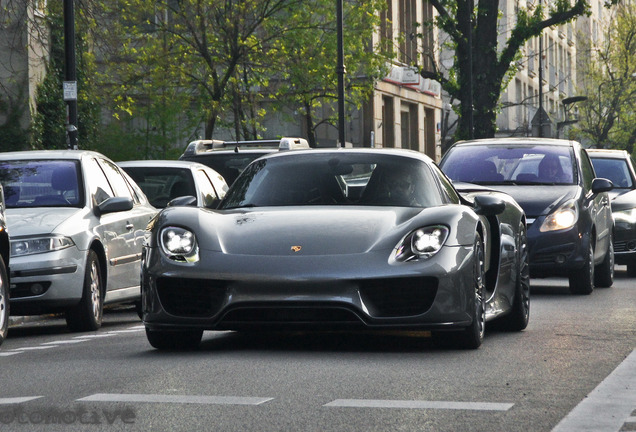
point(492, 165)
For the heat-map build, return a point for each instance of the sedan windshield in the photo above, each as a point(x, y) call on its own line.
point(41, 183)
point(328, 179)
point(517, 165)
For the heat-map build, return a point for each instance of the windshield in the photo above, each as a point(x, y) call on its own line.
point(329, 179)
point(41, 183)
point(492, 165)
point(615, 170)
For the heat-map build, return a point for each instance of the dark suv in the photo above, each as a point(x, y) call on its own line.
point(229, 158)
point(570, 223)
point(4, 271)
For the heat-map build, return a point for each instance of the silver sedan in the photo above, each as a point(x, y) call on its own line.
point(77, 223)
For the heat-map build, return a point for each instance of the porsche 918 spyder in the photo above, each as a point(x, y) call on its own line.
point(374, 239)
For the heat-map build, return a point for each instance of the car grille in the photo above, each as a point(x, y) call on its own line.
point(300, 313)
point(191, 297)
point(624, 246)
point(398, 297)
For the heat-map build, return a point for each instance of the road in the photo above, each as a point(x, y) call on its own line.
point(575, 364)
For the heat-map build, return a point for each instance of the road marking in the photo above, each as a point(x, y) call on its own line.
point(609, 405)
point(17, 400)
point(33, 348)
point(62, 342)
point(7, 354)
point(416, 404)
point(181, 399)
point(95, 336)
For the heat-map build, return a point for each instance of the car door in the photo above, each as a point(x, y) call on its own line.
point(600, 208)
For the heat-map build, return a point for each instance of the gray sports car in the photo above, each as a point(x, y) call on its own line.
point(338, 239)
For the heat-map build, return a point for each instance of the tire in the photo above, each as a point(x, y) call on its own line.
point(582, 280)
point(473, 336)
point(604, 272)
point(180, 340)
point(87, 315)
point(4, 302)
point(519, 315)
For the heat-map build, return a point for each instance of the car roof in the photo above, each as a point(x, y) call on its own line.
point(49, 154)
point(201, 147)
point(163, 163)
point(518, 141)
point(378, 151)
point(608, 153)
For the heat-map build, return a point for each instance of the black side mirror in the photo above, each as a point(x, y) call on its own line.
point(488, 205)
point(187, 200)
point(601, 185)
point(114, 204)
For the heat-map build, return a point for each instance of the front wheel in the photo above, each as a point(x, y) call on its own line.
point(582, 280)
point(179, 340)
point(4, 302)
point(473, 336)
point(604, 272)
point(87, 315)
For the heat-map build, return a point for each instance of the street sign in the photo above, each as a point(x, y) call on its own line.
point(70, 90)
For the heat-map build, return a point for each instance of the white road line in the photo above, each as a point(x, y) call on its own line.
point(416, 404)
point(62, 342)
point(95, 336)
point(609, 405)
point(33, 348)
point(7, 354)
point(17, 400)
point(181, 399)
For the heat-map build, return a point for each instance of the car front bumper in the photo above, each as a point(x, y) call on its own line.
point(224, 292)
point(47, 282)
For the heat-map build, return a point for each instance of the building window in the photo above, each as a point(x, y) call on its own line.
point(408, 31)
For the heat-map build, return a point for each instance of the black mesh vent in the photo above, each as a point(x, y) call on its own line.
point(399, 297)
point(191, 297)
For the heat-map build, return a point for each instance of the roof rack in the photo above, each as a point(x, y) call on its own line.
point(286, 143)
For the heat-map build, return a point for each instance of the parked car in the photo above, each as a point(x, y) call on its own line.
point(618, 166)
point(77, 223)
point(338, 239)
point(164, 180)
point(570, 223)
point(5, 247)
point(229, 158)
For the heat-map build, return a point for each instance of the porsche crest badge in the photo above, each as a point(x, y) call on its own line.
point(296, 248)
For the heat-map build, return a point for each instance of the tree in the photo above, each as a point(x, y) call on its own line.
point(479, 58)
point(608, 116)
point(305, 74)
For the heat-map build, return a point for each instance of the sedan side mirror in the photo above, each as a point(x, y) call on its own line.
point(114, 204)
point(601, 185)
point(488, 205)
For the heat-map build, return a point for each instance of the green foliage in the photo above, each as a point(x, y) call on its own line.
point(12, 135)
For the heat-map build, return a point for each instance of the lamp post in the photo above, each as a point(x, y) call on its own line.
point(567, 104)
point(340, 70)
point(70, 77)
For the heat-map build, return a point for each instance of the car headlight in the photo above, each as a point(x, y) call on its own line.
point(625, 216)
point(36, 245)
point(562, 218)
point(422, 243)
point(179, 244)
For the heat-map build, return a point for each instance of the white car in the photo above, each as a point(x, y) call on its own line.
point(77, 223)
point(164, 180)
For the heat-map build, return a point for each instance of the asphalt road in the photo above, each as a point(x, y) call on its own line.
point(574, 363)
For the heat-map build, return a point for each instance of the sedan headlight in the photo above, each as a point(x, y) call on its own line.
point(179, 244)
point(562, 218)
point(422, 243)
point(625, 216)
point(36, 245)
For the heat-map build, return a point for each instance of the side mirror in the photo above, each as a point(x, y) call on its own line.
point(114, 204)
point(601, 185)
point(187, 200)
point(488, 205)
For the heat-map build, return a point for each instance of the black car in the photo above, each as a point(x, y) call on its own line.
point(5, 247)
point(570, 223)
point(347, 239)
point(229, 158)
point(618, 166)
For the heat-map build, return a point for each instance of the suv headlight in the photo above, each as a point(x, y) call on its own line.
point(563, 217)
point(36, 245)
point(422, 243)
point(179, 244)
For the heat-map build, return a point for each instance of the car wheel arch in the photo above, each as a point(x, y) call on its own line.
point(98, 248)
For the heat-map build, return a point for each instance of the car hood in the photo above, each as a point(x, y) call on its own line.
point(540, 200)
point(623, 200)
point(37, 220)
point(315, 230)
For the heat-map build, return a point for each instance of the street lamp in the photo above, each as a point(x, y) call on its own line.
point(567, 104)
point(340, 71)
